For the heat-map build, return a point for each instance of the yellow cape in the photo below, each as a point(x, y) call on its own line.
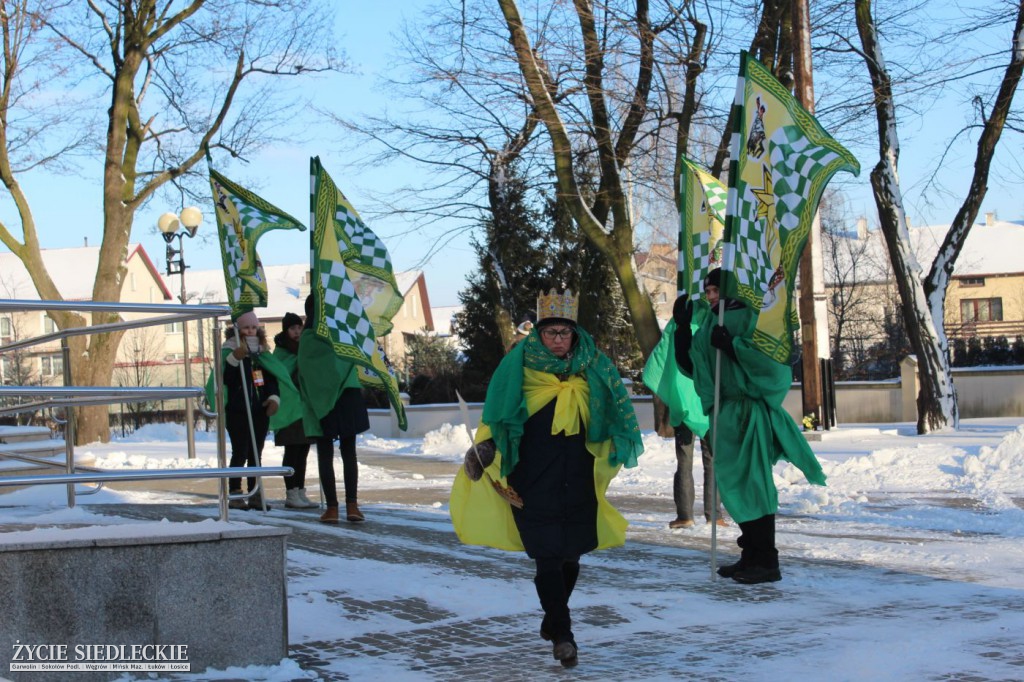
point(482, 517)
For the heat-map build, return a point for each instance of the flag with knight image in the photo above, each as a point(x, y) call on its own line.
point(355, 295)
point(780, 162)
point(242, 218)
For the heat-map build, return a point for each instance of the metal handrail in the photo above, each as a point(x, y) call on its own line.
point(69, 395)
point(151, 474)
point(182, 313)
point(93, 395)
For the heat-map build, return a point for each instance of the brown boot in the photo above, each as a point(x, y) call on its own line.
point(330, 515)
point(353, 514)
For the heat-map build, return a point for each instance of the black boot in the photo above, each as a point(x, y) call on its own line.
point(557, 624)
point(763, 563)
point(729, 570)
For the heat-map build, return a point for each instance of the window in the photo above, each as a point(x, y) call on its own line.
point(6, 369)
point(662, 297)
point(661, 272)
point(981, 310)
point(972, 282)
point(49, 326)
point(52, 365)
point(173, 328)
point(6, 329)
point(131, 281)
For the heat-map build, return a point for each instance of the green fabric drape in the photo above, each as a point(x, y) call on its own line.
point(290, 408)
point(322, 378)
point(611, 410)
point(753, 431)
point(675, 389)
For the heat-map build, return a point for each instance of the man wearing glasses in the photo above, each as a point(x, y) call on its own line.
point(557, 426)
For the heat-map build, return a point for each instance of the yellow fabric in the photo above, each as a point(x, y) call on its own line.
point(482, 517)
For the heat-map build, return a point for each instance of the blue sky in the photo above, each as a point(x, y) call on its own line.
point(280, 175)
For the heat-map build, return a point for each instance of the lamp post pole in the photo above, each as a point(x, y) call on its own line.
point(169, 223)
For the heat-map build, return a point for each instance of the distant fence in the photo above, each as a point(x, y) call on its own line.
point(981, 392)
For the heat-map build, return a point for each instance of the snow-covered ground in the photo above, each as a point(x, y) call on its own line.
point(948, 505)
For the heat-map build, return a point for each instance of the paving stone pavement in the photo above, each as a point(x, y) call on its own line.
point(646, 611)
point(616, 640)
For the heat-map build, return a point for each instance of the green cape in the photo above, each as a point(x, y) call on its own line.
point(675, 389)
point(290, 408)
point(611, 409)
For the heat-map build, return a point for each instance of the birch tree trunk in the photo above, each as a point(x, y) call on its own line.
point(923, 299)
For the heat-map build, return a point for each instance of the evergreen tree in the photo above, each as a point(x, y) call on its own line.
point(510, 273)
point(576, 264)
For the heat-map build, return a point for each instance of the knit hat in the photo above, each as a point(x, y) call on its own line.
point(246, 319)
point(290, 320)
point(713, 279)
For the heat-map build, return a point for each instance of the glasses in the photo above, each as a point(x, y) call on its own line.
point(552, 334)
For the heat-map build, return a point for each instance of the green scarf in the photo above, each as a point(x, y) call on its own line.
point(611, 410)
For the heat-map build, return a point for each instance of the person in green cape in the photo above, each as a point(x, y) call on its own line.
point(250, 369)
point(752, 432)
point(686, 415)
point(292, 438)
point(557, 426)
point(333, 409)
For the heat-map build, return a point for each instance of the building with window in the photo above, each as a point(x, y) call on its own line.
point(68, 268)
point(287, 288)
point(657, 270)
point(984, 299)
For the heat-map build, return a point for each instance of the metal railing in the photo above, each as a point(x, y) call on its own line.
point(76, 396)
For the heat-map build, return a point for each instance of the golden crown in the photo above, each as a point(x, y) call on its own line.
point(554, 304)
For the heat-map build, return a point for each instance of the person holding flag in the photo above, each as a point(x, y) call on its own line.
point(334, 410)
point(354, 297)
point(751, 431)
point(702, 202)
point(259, 396)
point(260, 392)
point(781, 161)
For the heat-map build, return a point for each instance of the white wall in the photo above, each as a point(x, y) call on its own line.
point(982, 392)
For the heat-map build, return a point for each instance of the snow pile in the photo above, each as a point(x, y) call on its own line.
point(446, 440)
point(996, 474)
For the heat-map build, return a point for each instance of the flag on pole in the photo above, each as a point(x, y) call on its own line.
point(702, 203)
point(242, 218)
point(350, 264)
point(780, 162)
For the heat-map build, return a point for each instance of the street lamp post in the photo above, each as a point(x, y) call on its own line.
point(173, 227)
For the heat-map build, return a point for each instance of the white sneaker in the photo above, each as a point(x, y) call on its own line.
point(292, 500)
point(306, 502)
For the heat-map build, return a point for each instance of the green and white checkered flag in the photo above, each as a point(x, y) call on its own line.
point(780, 162)
point(341, 314)
point(367, 260)
point(242, 218)
point(702, 200)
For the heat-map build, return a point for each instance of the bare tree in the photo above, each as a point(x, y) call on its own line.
point(168, 81)
point(142, 353)
point(923, 298)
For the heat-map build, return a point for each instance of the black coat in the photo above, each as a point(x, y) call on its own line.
point(233, 384)
point(555, 478)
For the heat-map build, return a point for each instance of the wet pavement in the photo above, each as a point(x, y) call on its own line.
point(647, 611)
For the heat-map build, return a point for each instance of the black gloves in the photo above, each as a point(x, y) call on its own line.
point(472, 465)
point(722, 340)
point(682, 311)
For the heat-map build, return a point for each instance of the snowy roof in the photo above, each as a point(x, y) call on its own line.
point(66, 268)
point(443, 318)
point(990, 249)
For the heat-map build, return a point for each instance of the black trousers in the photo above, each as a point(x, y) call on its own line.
point(242, 452)
point(349, 468)
point(295, 457)
point(555, 581)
